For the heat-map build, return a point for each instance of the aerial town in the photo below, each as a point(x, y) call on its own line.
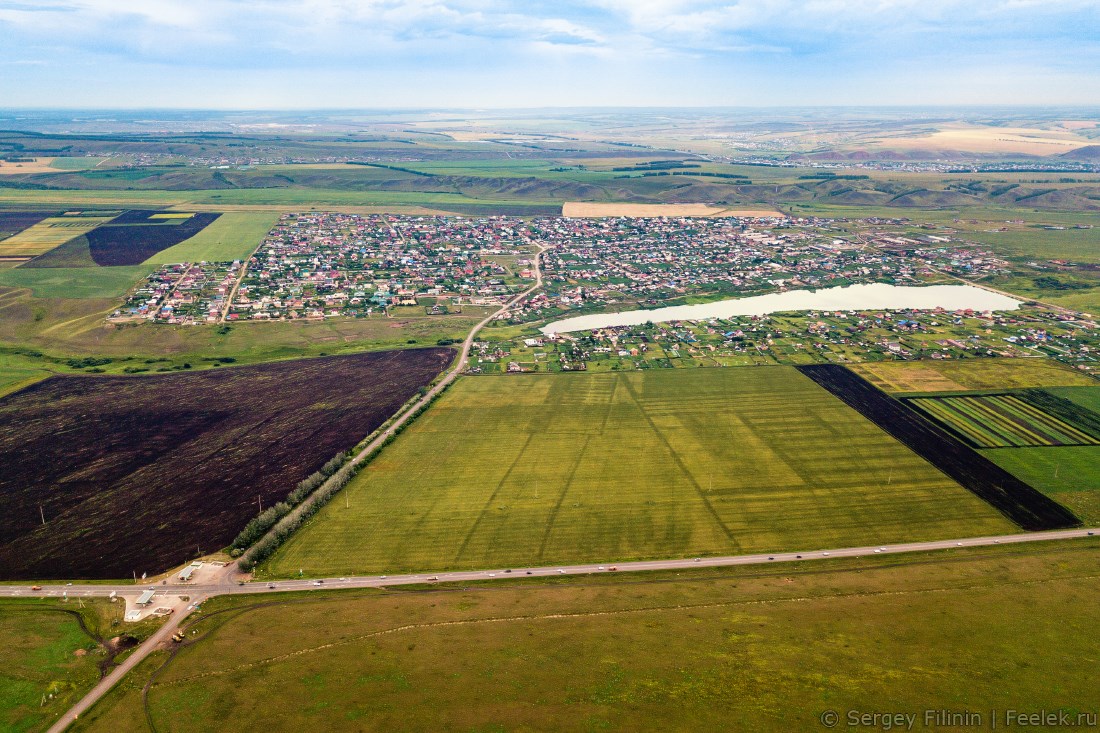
point(326, 265)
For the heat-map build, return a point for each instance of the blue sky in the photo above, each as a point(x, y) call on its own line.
point(507, 53)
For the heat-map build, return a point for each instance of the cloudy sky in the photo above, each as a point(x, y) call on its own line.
point(529, 53)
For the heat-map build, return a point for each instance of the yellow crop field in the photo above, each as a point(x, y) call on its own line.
point(49, 233)
point(953, 376)
point(38, 165)
point(978, 139)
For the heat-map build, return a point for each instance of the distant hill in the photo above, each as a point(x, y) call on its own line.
point(1087, 153)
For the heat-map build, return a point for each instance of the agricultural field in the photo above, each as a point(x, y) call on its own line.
point(1069, 475)
point(232, 236)
point(762, 649)
point(1034, 241)
point(543, 469)
point(52, 232)
point(985, 139)
point(105, 476)
point(1023, 504)
point(902, 377)
point(54, 652)
point(82, 163)
point(130, 239)
point(13, 222)
point(1007, 420)
point(72, 283)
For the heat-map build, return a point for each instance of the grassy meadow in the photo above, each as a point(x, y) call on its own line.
point(48, 661)
point(540, 470)
point(753, 648)
point(232, 236)
point(74, 283)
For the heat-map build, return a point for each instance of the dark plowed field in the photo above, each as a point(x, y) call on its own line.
point(132, 244)
point(1012, 497)
point(138, 473)
point(13, 222)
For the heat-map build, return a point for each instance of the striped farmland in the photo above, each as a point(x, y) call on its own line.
point(1002, 421)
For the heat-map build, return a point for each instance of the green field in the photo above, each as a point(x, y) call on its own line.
point(232, 236)
point(41, 674)
point(1069, 475)
point(74, 282)
point(1003, 421)
point(1078, 245)
point(15, 378)
point(288, 198)
point(540, 470)
point(753, 649)
point(76, 164)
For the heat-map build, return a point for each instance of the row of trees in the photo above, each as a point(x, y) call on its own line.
point(268, 531)
point(267, 519)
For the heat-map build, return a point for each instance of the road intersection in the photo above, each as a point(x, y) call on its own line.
point(228, 581)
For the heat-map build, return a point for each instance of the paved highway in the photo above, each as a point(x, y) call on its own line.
point(224, 586)
point(228, 584)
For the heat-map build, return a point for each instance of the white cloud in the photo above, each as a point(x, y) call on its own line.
point(655, 51)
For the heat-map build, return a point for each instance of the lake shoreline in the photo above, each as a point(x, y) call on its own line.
point(872, 296)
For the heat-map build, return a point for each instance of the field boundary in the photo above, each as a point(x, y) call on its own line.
point(1017, 500)
point(383, 436)
point(1007, 420)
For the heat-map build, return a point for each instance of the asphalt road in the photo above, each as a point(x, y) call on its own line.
point(104, 685)
point(228, 585)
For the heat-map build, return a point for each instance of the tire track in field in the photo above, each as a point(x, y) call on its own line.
point(679, 463)
point(492, 497)
point(561, 497)
point(617, 612)
point(94, 318)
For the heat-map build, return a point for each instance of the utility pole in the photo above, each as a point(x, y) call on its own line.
point(260, 502)
point(43, 513)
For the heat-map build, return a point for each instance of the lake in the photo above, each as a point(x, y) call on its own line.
point(875, 296)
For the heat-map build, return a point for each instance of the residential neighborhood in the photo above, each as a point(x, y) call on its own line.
point(320, 265)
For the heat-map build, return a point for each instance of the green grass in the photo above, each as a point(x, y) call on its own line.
point(75, 164)
point(1078, 245)
point(1069, 475)
point(754, 649)
point(1087, 397)
point(74, 283)
point(561, 468)
point(232, 236)
point(37, 660)
point(281, 197)
point(13, 379)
